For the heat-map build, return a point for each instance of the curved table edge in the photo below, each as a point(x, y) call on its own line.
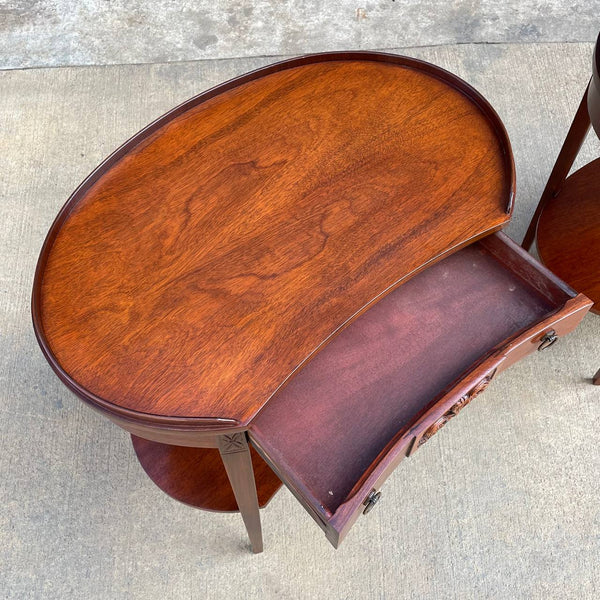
point(211, 423)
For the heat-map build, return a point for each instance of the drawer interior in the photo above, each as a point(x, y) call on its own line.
point(327, 427)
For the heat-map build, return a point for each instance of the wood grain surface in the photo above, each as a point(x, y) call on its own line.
point(568, 232)
point(217, 250)
point(375, 380)
point(392, 379)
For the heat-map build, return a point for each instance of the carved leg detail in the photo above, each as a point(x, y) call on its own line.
point(596, 379)
point(238, 464)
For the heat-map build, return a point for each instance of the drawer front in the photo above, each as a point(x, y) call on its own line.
point(366, 493)
point(369, 492)
point(454, 409)
point(542, 337)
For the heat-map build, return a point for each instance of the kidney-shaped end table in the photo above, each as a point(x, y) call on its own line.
point(302, 258)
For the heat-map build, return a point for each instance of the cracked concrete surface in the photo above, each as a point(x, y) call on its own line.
point(50, 33)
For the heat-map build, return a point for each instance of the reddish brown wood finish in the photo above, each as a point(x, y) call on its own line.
point(235, 453)
point(566, 157)
point(463, 401)
point(568, 232)
point(567, 218)
point(215, 252)
point(197, 476)
point(341, 425)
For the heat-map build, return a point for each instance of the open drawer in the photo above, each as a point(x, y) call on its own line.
point(402, 369)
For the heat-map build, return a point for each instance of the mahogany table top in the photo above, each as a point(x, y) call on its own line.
point(216, 251)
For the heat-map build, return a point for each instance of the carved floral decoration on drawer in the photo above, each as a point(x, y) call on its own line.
point(456, 408)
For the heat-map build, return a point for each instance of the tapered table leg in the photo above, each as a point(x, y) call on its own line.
point(597, 378)
point(238, 464)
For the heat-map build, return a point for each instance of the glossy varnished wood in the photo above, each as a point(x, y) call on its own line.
point(566, 220)
point(403, 369)
point(568, 232)
point(197, 476)
point(235, 453)
point(378, 375)
point(207, 259)
point(566, 157)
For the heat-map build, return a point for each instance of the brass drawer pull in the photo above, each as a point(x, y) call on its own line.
point(547, 340)
point(371, 500)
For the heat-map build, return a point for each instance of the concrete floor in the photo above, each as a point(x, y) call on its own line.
point(42, 33)
point(503, 503)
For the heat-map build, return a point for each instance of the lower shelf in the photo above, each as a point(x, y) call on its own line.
point(196, 476)
point(568, 232)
